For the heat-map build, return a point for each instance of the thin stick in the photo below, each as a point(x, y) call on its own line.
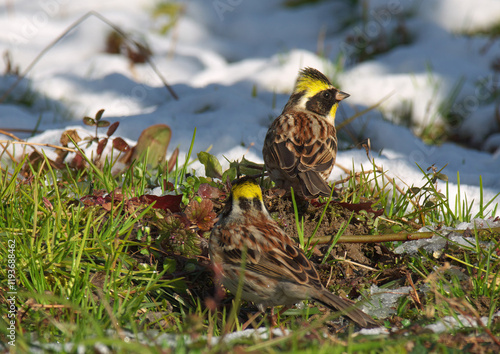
point(402, 236)
point(69, 29)
point(345, 260)
point(38, 144)
point(9, 134)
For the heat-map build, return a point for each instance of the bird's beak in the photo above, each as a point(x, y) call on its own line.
point(341, 95)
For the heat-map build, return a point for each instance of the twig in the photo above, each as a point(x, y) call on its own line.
point(330, 278)
point(414, 293)
point(4, 147)
point(346, 170)
point(10, 135)
point(345, 260)
point(402, 236)
point(37, 144)
point(69, 29)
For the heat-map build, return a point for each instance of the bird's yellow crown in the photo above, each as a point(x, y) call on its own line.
point(311, 81)
point(246, 188)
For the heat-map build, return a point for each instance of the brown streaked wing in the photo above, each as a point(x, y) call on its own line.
point(280, 258)
point(270, 252)
point(320, 157)
point(288, 264)
point(286, 157)
point(296, 148)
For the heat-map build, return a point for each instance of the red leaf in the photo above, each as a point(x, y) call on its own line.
point(171, 202)
point(91, 200)
point(78, 162)
point(47, 203)
point(168, 186)
point(112, 128)
point(360, 206)
point(101, 145)
point(120, 144)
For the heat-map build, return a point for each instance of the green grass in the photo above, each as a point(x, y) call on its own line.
point(87, 274)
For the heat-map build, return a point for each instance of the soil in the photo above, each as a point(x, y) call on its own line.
point(281, 209)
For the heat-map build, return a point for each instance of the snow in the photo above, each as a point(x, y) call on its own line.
point(164, 340)
point(383, 302)
point(459, 322)
point(219, 52)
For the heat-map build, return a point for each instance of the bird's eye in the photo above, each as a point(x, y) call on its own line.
point(326, 94)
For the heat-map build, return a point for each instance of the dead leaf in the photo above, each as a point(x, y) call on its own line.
point(67, 134)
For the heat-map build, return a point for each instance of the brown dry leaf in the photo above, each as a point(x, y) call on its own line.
point(172, 161)
point(35, 159)
point(61, 155)
point(67, 134)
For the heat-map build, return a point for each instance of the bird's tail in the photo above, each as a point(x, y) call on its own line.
point(336, 303)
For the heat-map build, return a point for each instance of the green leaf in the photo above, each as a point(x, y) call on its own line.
point(254, 91)
point(103, 123)
point(229, 174)
point(213, 168)
point(156, 139)
point(89, 121)
point(249, 168)
point(442, 177)
point(98, 115)
point(415, 190)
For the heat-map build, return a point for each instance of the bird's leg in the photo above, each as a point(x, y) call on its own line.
point(274, 319)
point(251, 319)
point(283, 310)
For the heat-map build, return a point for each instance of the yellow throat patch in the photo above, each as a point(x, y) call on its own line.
point(333, 111)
